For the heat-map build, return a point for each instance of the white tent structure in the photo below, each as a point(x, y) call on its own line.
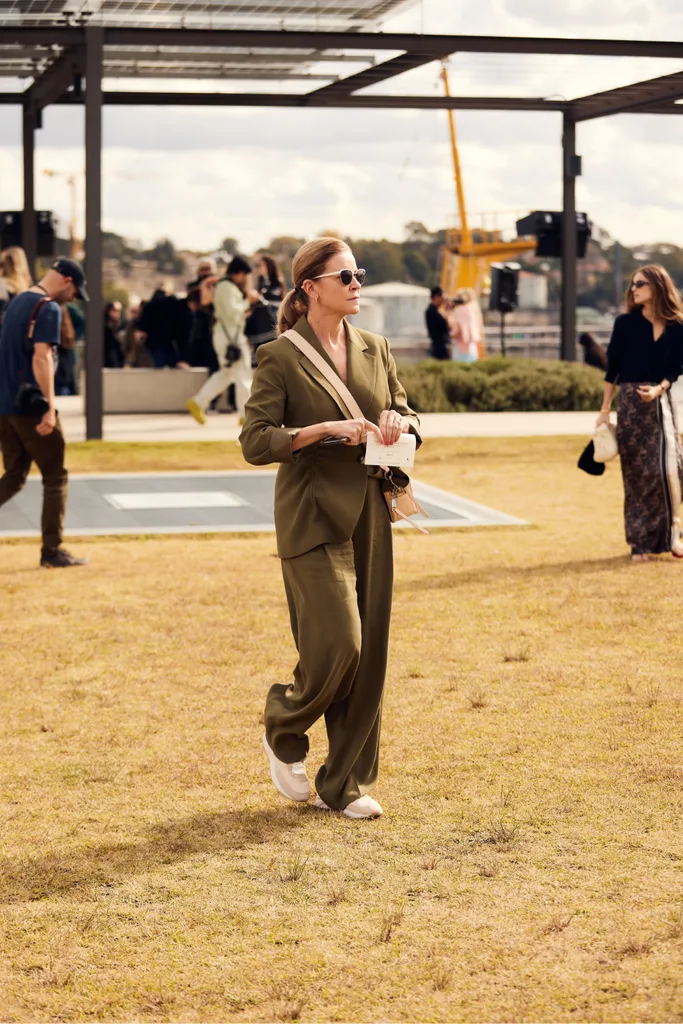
point(402, 309)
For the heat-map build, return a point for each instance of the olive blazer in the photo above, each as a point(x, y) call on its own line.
point(320, 490)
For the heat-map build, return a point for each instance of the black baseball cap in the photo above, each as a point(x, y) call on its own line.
point(71, 268)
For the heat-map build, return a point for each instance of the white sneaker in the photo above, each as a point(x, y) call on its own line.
point(363, 807)
point(290, 780)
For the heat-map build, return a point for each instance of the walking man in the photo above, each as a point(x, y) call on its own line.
point(30, 430)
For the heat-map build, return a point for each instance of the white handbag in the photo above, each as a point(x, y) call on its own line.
point(605, 442)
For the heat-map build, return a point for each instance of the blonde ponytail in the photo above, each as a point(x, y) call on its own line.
point(292, 309)
point(310, 262)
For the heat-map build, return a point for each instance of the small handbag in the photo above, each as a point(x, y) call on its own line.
point(396, 486)
point(605, 442)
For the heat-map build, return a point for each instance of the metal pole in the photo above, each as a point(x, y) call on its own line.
point(502, 333)
point(94, 335)
point(569, 242)
point(29, 230)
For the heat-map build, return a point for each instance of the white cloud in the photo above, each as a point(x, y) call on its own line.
point(200, 174)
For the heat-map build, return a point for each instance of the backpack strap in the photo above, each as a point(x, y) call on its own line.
point(321, 364)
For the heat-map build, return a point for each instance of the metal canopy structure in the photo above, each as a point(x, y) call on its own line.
point(321, 53)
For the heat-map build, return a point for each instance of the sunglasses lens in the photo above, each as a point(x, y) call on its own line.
point(360, 276)
point(345, 276)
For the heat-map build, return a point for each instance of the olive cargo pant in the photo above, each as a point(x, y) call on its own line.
point(339, 598)
point(20, 446)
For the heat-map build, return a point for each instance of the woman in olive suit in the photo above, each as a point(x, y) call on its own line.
point(332, 526)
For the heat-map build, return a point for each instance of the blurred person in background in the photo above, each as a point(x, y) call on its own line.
point(113, 329)
point(645, 357)
point(231, 303)
point(158, 322)
point(15, 276)
point(593, 353)
point(437, 326)
point(467, 326)
point(135, 353)
point(200, 346)
point(65, 383)
point(261, 325)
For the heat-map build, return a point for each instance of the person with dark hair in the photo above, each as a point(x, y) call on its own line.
point(593, 353)
point(158, 322)
point(645, 357)
point(113, 352)
point(261, 325)
point(437, 326)
point(332, 526)
point(201, 350)
point(230, 307)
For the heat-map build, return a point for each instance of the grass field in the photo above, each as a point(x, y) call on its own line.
point(529, 865)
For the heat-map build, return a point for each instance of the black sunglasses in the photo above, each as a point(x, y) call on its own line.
point(345, 276)
point(638, 284)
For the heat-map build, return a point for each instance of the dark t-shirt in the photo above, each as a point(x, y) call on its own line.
point(16, 354)
point(634, 357)
point(437, 328)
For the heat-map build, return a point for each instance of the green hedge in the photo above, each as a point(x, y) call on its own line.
point(501, 385)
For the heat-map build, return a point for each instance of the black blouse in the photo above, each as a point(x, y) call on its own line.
point(634, 357)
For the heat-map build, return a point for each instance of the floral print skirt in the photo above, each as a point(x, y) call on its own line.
point(652, 468)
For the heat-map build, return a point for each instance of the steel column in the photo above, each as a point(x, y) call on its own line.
point(569, 243)
point(94, 345)
point(29, 231)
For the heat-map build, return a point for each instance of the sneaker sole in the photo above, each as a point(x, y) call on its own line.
point(276, 781)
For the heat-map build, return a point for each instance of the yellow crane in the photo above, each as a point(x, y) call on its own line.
point(469, 252)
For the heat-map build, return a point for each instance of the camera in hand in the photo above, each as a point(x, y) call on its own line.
point(30, 401)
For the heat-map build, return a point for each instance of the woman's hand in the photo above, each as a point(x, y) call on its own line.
point(602, 418)
point(356, 431)
point(392, 425)
point(648, 392)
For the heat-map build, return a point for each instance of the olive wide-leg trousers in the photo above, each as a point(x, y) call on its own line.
point(339, 598)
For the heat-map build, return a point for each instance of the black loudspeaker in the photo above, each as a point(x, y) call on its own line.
point(10, 231)
point(503, 296)
point(546, 226)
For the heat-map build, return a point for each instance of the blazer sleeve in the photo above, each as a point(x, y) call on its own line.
point(614, 353)
point(399, 399)
point(263, 438)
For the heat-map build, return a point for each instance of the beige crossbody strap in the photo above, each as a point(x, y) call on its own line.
point(328, 373)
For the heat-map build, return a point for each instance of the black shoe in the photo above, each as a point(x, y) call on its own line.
point(61, 560)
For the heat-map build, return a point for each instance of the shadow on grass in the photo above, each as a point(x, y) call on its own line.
point(564, 570)
point(52, 874)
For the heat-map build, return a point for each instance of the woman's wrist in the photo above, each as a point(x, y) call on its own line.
point(606, 409)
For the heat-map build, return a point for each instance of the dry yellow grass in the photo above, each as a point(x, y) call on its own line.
point(528, 866)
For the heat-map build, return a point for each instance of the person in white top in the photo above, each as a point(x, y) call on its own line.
point(467, 326)
point(230, 306)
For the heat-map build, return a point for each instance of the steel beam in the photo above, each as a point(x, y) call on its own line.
point(94, 345)
point(263, 99)
point(46, 35)
point(29, 227)
point(629, 98)
point(410, 42)
point(377, 73)
point(55, 80)
point(569, 242)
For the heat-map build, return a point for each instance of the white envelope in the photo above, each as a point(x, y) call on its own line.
point(402, 453)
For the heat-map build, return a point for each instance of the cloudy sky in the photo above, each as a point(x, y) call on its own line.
point(199, 175)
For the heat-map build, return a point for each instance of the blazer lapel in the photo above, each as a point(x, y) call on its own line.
point(361, 370)
point(304, 329)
